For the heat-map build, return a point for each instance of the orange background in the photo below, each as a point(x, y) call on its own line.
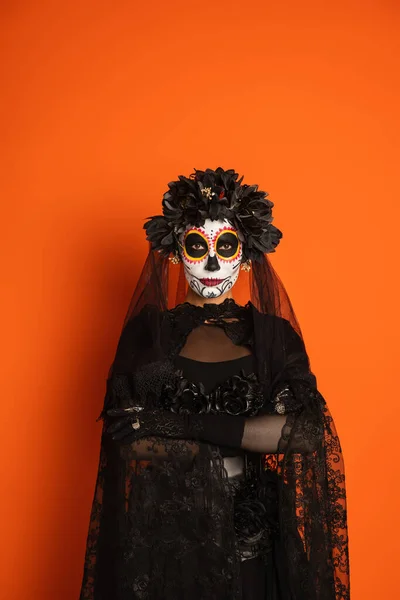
point(103, 104)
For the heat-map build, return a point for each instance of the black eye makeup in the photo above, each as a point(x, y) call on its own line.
point(227, 245)
point(196, 246)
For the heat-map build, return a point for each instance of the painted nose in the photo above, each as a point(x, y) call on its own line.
point(212, 264)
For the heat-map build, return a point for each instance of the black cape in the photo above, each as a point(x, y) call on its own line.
point(158, 510)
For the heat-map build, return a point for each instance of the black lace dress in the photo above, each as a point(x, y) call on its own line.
point(176, 519)
point(211, 365)
point(220, 379)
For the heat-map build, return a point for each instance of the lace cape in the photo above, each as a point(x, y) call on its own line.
point(162, 525)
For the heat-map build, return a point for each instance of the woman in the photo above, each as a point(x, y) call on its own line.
point(221, 474)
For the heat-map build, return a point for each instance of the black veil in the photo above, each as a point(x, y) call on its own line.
point(191, 553)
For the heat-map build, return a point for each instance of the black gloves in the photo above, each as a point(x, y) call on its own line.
point(264, 433)
point(134, 423)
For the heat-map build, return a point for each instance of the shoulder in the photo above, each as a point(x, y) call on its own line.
point(273, 320)
point(279, 328)
point(141, 324)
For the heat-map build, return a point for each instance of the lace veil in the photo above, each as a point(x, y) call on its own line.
point(135, 550)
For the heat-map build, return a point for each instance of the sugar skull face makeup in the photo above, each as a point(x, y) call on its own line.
point(211, 257)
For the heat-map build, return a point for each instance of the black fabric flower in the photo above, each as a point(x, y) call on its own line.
point(250, 520)
point(185, 397)
point(161, 235)
point(140, 586)
point(215, 194)
point(240, 395)
point(232, 404)
point(253, 218)
point(255, 513)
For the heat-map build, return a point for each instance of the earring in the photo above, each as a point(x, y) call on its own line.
point(175, 259)
point(246, 266)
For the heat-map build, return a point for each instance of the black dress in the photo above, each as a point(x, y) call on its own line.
point(211, 375)
point(258, 577)
point(176, 519)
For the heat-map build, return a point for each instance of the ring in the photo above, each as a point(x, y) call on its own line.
point(136, 424)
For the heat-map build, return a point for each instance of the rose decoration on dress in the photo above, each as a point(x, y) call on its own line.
point(239, 395)
point(185, 397)
point(232, 404)
point(250, 520)
point(255, 514)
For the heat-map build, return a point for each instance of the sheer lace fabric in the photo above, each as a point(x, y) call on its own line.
point(165, 521)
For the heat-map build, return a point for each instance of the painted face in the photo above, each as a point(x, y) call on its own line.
point(211, 257)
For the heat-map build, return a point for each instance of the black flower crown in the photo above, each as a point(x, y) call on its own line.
point(215, 195)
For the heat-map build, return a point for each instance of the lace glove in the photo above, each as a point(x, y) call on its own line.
point(265, 433)
point(133, 423)
point(262, 434)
